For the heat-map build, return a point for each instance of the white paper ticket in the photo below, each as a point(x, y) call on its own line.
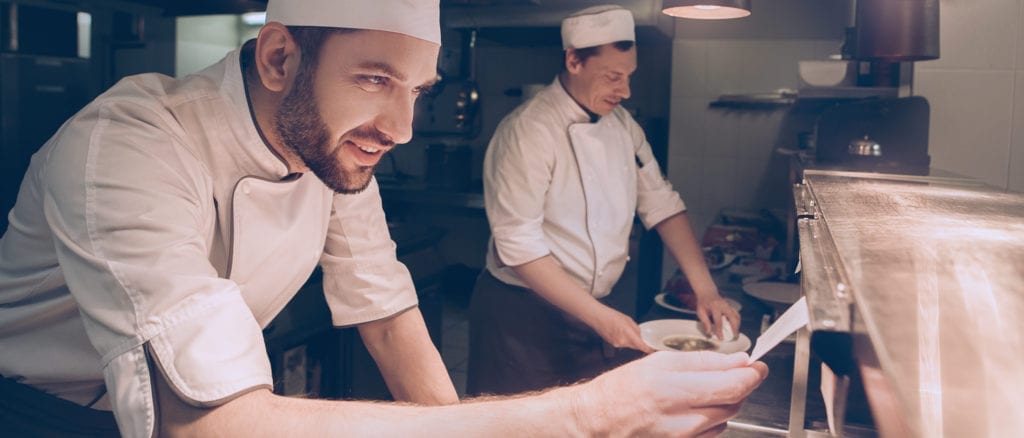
point(792, 320)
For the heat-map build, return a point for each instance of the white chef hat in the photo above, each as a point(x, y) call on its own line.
point(597, 25)
point(416, 18)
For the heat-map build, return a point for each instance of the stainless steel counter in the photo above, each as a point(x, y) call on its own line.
point(934, 269)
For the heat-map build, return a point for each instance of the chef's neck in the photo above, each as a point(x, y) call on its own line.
point(566, 82)
point(262, 105)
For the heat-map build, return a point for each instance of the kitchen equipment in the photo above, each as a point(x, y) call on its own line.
point(865, 147)
point(888, 135)
point(897, 30)
point(453, 106)
point(913, 284)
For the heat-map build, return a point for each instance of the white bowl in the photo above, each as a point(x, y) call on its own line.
point(656, 332)
point(830, 73)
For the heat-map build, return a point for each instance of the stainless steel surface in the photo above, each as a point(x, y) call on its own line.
point(936, 272)
point(825, 285)
point(735, 428)
point(798, 396)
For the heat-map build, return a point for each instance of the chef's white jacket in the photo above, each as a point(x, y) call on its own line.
point(555, 183)
point(158, 223)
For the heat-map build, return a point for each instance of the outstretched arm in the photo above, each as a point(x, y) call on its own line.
point(664, 394)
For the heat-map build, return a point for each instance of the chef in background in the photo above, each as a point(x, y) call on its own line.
point(564, 176)
point(170, 220)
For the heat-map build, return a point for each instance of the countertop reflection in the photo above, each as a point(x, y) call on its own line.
point(936, 269)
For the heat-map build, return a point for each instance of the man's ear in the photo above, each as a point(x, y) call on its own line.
point(277, 56)
point(572, 61)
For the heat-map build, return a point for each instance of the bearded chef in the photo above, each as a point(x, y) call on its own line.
point(564, 175)
point(168, 222)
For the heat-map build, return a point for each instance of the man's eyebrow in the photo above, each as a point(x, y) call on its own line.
point(429, 84)
point(384, 68)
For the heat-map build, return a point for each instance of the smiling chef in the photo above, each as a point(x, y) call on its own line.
point(170, 220)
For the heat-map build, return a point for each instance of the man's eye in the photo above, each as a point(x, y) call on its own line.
point(373, 80)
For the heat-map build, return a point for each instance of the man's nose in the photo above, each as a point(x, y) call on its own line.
point(395, 119)
point(623, 90)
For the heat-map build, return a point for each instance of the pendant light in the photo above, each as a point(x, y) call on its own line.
point(706, 9)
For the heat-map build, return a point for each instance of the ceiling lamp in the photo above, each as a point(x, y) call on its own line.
point(706, 9)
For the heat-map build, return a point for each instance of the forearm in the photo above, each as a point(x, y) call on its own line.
point(261, 413)
point(409, 362)
point(549, 280)
point(677, 235)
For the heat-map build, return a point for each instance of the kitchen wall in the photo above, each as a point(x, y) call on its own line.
point(976, 91)
point(724, 158)
point(203, 40)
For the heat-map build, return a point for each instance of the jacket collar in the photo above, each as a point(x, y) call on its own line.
point(568, 105)
point(254, 157)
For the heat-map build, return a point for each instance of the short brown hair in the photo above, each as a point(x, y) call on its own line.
point(587, 52)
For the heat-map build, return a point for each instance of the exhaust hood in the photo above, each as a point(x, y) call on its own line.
point(512, 17)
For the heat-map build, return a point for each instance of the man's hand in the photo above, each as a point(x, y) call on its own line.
point(667, 394)
point(616, 328)
point(715, 311)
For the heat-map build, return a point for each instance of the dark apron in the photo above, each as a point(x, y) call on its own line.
point(519, 342)
point(29, 412)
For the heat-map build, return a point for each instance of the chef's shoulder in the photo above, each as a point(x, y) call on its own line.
point(144, 103)
point(536, 120)
point(135, 127)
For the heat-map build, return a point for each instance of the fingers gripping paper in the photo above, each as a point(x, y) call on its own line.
point(792, 320)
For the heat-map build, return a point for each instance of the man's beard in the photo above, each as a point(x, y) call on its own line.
point(302, 130)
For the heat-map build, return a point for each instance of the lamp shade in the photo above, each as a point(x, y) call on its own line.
point(706, 9)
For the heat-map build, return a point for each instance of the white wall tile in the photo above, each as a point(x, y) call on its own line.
point(976, 34)
point(1016, 169)
point(769, 65)
point(689, 68)
point(719, 184)
point(722, 133)
point(687, 133)
point(687, 177)
point(823, 49)
point(758, 133)
point(725, 66)
point(203, 40)
point(971, 120)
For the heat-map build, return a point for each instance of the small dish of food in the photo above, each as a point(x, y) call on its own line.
point(685, 335)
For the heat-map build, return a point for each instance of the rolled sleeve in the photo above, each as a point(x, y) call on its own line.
point(656, 200)
point(363, 279)
point(517, 175)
